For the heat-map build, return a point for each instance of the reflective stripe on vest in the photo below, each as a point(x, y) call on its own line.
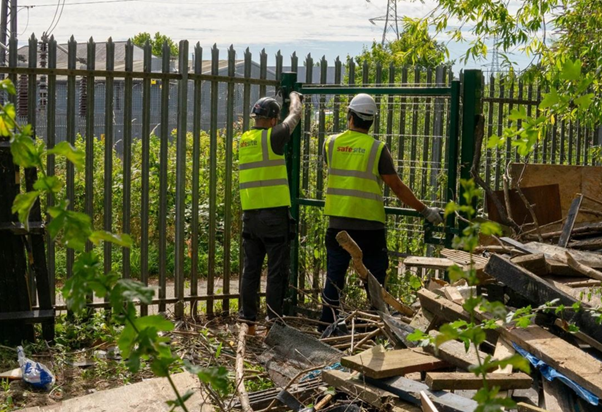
point(262, 173)
point(354, 191)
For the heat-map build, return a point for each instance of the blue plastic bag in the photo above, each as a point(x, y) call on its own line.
point(34, 373)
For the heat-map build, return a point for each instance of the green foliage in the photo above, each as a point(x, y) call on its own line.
point(141, 338)
point(156, 43)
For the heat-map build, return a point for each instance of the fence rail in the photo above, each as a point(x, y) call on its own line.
point(160, 152)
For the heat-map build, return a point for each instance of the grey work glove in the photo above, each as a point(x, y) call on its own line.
point(432, 214)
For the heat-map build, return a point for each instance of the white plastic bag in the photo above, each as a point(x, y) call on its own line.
point(34, 373)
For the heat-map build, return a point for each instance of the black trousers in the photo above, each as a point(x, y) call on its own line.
point(265, 231)
point(373, 244)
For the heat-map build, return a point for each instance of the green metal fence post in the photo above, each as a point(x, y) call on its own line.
point(472, 95)
point(293, 166)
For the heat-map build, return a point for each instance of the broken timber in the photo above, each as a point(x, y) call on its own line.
point(356, 387)
point(534, 263)
point(465, 381)
point(570, 221)
point(385, 364)
point(409, 391)
point(540, 292)
point(454, 353)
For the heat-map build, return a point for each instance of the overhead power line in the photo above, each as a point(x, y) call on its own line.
point(166, 3)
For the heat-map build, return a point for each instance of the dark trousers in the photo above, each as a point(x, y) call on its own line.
point(374, 247)
point(265, 231)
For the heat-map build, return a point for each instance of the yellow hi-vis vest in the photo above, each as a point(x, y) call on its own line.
point(354, 185)
point(262, 173)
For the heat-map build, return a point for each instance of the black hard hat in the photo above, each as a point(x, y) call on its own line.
point(266, 107)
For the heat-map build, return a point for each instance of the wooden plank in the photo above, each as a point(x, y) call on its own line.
point(538, 291)
point(451, 293)
point(590, 259)
point(356, 387)
point(428, 262)
point(468, 380)
point(424, 320)
point(535, 263)
point(559, 354)
point(570, 221)
point(454, 353)
point(587, 244)
point(525, 407)
point(380, 364)
point(545, 200)
point(503, 350)
point(571, 180)
point(557, 396)
point(564, 325)
point(409, 391)
point(427, 404)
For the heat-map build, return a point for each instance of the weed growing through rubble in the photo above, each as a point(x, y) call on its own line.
point(484, 315)
point(141, 339)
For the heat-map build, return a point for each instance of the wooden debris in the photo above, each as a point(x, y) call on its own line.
point(570, 221)
point(545, 200)
point(427, 404)
point(557, 396)
point(538, 291)
point(559, 354)
point(428, 262)
point(451, 292)
point(243, 396)
point(454, 353)
point(424, 320)
point(503, 350)
point(457, 380)
point(13, 374)
point(525, 407)
point(581, 268)
point(409, 391)
point(535, 263)
point(354, 386)
point(378, 363)
point(587, 244)
point(564, 325)
point(590, 259)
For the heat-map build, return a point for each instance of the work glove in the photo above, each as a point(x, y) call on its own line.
point(432, 214)
point(299, 95)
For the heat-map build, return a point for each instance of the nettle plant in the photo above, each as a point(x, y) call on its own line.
point(484, 315)
point(141, 339)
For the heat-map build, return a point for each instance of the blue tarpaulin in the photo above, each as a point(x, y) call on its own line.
point(550, 374)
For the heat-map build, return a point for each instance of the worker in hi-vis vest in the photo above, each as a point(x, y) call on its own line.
point(357, 165)
point(265, 200)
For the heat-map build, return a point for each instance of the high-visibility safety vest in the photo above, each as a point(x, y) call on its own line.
point(354, 184)
point(262, 173)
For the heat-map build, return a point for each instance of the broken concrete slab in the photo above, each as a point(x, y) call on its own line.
point(146, 396)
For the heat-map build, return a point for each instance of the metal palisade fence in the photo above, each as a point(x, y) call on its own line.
point(160, 138)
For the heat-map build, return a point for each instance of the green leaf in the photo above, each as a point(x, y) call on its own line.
point(417, 336)
point(490, 228)
point(518, 114)
point(216, 377)
point(184, 398)
point(494, 141)
point(24, 151)
point(8, 86)
point(123, 240)
point(23, 204)
point(584, 101)
point(128, 290)
point(76, 227)
point(550, 99)
point(571, 70)
point(48, 184)
point(456, 273)
point(72, 154)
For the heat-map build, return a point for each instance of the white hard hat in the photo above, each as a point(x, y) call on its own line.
point(364, 106)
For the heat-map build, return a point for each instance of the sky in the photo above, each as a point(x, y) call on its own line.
point(328, 28)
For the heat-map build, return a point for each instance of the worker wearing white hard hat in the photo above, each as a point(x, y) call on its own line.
point(357, 165)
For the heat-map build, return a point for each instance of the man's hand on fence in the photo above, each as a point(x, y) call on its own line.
point(433, 215)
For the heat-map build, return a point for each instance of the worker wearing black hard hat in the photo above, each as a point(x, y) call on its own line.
point(265, 200)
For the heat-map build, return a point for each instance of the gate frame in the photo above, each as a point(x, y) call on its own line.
point(458, 162)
